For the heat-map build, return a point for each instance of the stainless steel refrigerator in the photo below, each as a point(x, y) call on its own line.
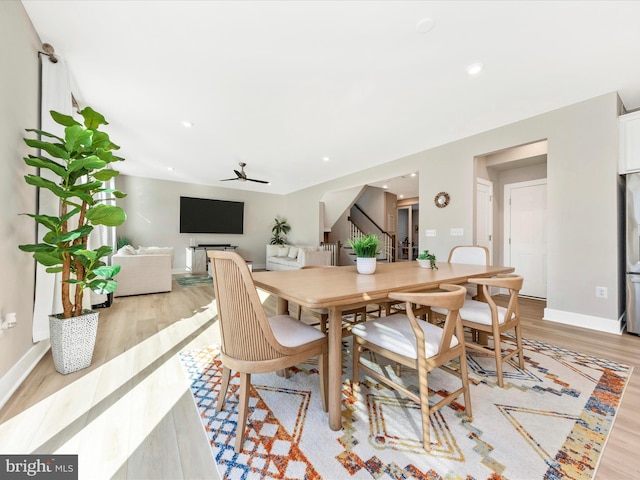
point(632, 251)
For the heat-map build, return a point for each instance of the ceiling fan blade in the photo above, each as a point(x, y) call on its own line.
point(228, 179)
point(240, 175)
point(257, 181)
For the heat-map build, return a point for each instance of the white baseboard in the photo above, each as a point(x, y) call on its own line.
point(10, 382)
point(585, 321)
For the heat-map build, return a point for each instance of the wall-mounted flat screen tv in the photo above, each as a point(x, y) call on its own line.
point(203, 215)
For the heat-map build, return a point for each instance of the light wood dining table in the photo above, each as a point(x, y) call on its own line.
point(343, 288)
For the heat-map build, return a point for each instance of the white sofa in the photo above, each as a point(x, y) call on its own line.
point(146, 270)
point(291, 257)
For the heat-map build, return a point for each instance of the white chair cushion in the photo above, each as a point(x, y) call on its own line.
point(395, 334)
point(291, 332)
point(477, 312)
point(293, 252)
point(283, 251)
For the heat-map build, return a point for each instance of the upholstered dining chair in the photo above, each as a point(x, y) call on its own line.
point(251, 341)
point(420, 345)
point(493, 320)
point(473, 255)
point(349, 317)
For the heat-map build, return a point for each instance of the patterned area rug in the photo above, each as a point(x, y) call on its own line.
point(194, 280)
point(550, 421)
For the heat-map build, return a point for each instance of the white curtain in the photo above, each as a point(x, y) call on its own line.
point(56, 95)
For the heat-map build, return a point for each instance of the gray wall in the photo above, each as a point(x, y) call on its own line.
point(153, 214)
point(582, 201)
point(19, 93)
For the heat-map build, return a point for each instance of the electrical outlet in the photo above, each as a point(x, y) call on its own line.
point(601, 292)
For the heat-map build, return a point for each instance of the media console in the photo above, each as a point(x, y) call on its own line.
point(197, 255)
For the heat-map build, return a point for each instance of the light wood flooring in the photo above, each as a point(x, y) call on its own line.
point(131, 415)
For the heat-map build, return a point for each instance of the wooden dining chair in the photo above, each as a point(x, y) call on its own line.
point(350, 317)
point(493, 320)
point(420, 345)
point(253, 343)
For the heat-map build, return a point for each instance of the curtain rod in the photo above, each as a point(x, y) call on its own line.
point(49, 51)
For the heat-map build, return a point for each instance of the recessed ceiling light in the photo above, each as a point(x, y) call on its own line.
point(186, 124)
point(170, 169)
point(400, 196)
point(474, 68)
point(385, 186)
point(424, 25)
point(413, 174)
point(325, 159)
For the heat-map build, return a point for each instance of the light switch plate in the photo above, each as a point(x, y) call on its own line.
point(430, 233)
point(457, 232)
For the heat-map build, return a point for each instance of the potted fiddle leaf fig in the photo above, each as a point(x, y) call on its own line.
point(279, 230)
point(366, 248)
point(80, 162)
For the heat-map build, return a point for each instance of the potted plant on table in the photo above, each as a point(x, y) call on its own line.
point(366, 249)
point(427, 260)
point(280, 229)
point(78, 162)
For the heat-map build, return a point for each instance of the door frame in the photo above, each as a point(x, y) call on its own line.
point(489, 185)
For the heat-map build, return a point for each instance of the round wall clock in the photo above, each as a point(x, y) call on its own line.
point(442, 199)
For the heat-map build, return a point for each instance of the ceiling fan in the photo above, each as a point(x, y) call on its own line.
point(241, 176)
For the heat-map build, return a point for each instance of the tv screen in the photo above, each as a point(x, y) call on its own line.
point(203, 215)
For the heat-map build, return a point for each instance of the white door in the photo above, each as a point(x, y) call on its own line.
point(526, 234)
point(484, 215)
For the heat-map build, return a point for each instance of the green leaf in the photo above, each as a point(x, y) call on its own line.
point(70, 214)
point(103, 251)
point(41, 162)
point(91, 162)
point(47, 259)
point(72, 235)
point(105, 174)
point(108, 215)
point(37, 181)
point(42, 133)
point(101, 141)
point(52, 149)
point(37, 247)
point(62, 119)
point(107, 271)
point(53, 270)
point(77, 138)
point(103, 286)
point(52, 223)
point(92, 119)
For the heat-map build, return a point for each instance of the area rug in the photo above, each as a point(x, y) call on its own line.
point(194, 280)
point(550, 421)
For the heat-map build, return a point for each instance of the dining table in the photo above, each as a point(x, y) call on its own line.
point(342, 288)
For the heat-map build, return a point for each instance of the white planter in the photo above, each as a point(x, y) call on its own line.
point(424, 263)
point(73, 340)
point(366, 266)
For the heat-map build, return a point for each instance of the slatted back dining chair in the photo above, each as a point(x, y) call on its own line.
point(417, 344)
point(493, 320)
point(251, 342)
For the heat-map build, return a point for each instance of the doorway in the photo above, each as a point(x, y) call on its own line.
point(525, 234)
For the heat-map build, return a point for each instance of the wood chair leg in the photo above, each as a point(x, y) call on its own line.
point(520, 347)
point(243, 409)
point(323, 370)
point(498, 354)
point(356, 363)
point(464, 373)
point(224, 386)
point(424, 407)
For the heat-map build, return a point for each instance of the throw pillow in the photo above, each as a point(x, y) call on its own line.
point(283, 251)
point(293, 252)
point(127, 250)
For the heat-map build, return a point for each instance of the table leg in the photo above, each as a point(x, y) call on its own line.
point(335, 368)
point(282, 306)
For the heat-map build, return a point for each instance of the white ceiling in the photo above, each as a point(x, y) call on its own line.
point(281, 85)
